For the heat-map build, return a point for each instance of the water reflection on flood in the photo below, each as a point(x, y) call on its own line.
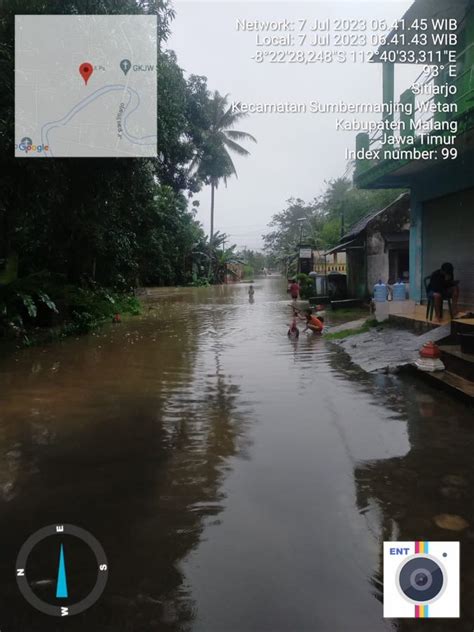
point(239, 481)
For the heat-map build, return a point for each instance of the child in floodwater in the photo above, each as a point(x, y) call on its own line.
point(293, 331)
point(313, 323)
point(251, 291)
point(295, 290)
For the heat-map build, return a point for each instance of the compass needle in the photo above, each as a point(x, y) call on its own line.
point(61, 586)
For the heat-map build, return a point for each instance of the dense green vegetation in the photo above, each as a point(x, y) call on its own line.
point(321, 222)
point(306, 285)
point(113, 223)
point(255, 262)
point(48, 301)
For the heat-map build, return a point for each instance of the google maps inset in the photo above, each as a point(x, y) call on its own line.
point(85, 86)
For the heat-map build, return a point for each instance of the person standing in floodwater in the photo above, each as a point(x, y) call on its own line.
point(251, 294)
point(295, 290)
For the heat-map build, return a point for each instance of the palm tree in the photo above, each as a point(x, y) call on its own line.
point(215, 162)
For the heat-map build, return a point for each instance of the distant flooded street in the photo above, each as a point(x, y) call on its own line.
point(238, 481)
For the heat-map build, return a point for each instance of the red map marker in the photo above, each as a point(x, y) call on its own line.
point(86, 71)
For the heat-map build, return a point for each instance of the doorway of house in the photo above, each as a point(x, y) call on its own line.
point(398, 264)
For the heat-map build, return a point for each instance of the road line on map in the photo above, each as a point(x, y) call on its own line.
point(84, 103)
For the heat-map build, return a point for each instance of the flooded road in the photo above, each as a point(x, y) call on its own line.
point(238, 481)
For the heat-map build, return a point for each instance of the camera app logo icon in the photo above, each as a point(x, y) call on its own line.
point(420, 579)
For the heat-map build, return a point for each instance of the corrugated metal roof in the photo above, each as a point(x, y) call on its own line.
point(339, 247)
point(402, 202)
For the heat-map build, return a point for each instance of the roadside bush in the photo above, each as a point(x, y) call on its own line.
point(307, 289)
point(46, 301)
point(248, 272)
point(20, 306)
point(200, 282)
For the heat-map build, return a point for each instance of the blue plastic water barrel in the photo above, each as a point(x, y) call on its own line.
point(399, 292)
point(380, 292)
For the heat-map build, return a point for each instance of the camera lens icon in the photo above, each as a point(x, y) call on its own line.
point(421, 579)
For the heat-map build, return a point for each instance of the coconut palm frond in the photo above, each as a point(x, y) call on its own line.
point(238, 149)
point(215, 163)
point(235, 135)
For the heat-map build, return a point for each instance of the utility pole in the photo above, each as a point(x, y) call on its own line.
point(301, 220)
point(225, 263)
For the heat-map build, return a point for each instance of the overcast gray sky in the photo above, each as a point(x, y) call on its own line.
point(295, 153)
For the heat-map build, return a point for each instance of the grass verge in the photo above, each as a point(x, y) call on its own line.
point(363, 329)
point(347, 333)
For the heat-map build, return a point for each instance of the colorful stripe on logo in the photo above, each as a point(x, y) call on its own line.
point(421, 612)
point(421, 547)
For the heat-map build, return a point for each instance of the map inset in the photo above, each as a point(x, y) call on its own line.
point(85, 86)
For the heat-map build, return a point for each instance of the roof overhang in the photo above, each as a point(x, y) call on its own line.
point(354, 244)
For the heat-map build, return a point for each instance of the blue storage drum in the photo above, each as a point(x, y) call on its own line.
point(399, 291)
point(380, 292)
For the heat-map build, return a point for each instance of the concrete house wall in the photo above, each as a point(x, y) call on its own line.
point(377, 260)
point(448, 235)
point(377, 246)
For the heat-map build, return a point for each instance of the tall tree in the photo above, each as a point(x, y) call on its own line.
point(215, 163)
point(132, 220)
point(286, 227)
point(324, 218)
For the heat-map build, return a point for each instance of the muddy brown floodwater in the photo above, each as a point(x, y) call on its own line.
point(238, 481)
